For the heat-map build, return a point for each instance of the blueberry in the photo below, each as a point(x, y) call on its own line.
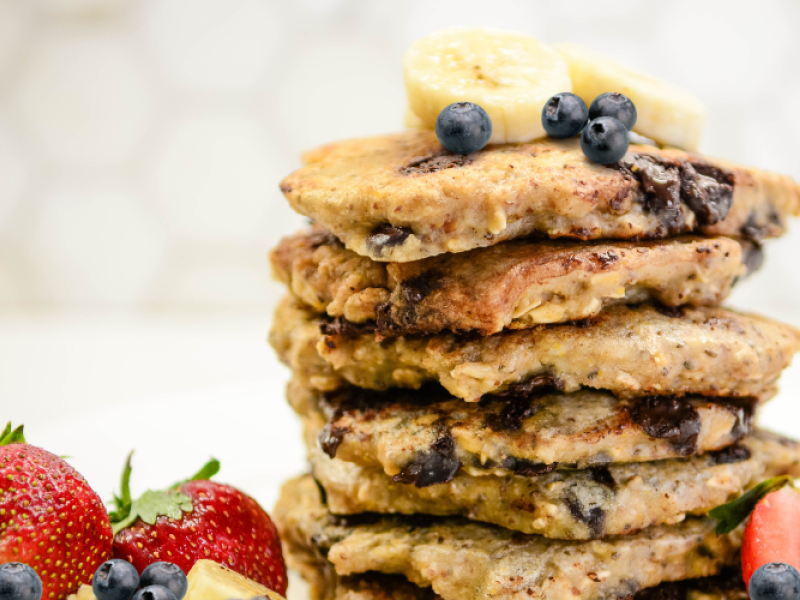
point(19, 582)
point(463, 127)
point(614, 104)
point(564, 115)
point(604, 140)
point(775, 581)
point(154, 592)
point(115, 579)
point(166, 575)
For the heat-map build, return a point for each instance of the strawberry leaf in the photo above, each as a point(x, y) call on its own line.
point(12, 436)
point(153, 504)
point(735, 512)
point(208, 470)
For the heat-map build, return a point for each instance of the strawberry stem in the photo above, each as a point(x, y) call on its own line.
point(12, 436)
point(208, 470)
point(153, 504)
point(735, 512)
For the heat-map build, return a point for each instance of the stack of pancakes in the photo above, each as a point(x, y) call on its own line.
point(513, 372)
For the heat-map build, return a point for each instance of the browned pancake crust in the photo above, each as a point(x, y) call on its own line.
point(568, 504)
point(630, 351)
point(516, 284)
point(400, 198)
point(400, 430)
point(462, 560)
point(325, 584)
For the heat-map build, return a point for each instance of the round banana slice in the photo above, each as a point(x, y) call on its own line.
point(510, 75)
point(666, 113)
point(412, 121)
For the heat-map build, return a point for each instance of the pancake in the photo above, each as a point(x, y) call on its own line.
point(402, 198)
point(567, 504)
point(463, 560)
point(392, 430)
point(631, 351)
point(516, 284)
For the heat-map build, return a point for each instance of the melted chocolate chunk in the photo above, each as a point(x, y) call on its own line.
point(753, 230)
point(732, 454)
point(437, 465)
point(744, 410)
point(402, 316)
point(417, 289)
point(511, 415)
point(667, 184)
point(529, 386)
point(593, 517)
point(603, 476)
point(753, 256)
point(345, 328)
point(670, 418)
point(606, 259)
point(319, 238)
point(323, 495)
point(434, 163)
point(707, 191)
point(526, 468)
point(386, 236)
point(674, 312)
point(330, 438)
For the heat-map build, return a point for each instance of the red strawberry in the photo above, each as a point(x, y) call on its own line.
point(773, 533)
point(50, 518)
point(199, 519)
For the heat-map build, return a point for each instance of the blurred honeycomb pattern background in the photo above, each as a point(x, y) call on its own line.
point(142, 141)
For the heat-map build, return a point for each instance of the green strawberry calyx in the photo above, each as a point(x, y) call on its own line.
point(12, 436)
point(153, 504)
point(729, 516)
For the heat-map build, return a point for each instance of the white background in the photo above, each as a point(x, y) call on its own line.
point(141, 146)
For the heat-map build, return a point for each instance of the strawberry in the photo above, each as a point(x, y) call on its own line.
point(773, 532)
point(50, 519)
point(199, 519)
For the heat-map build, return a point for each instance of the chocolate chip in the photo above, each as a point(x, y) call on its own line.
point(707, 191)
point(526, 468)
point(532, 385)
point(323, 237)
point(343, 327)
point(661, 184)
point(511, 415)
point(753, 256)
point(732, 454)
point(323, 495)
point(671, 418)
point(753, 230)
point(402, 314)
point(667, 184)
point(330, 438)
point(673, 312)
point(437, 465)
point(585, 500)
point(606, 259)
point(386, 236)
point(433, 163)
point(603, 476)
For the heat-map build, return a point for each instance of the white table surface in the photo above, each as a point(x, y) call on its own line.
point(177, 388)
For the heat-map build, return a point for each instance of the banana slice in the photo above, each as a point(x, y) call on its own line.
point(666, 113)
point(410, 120)
point(510, 75)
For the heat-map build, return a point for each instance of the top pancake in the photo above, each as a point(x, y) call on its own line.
point(401, 198)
